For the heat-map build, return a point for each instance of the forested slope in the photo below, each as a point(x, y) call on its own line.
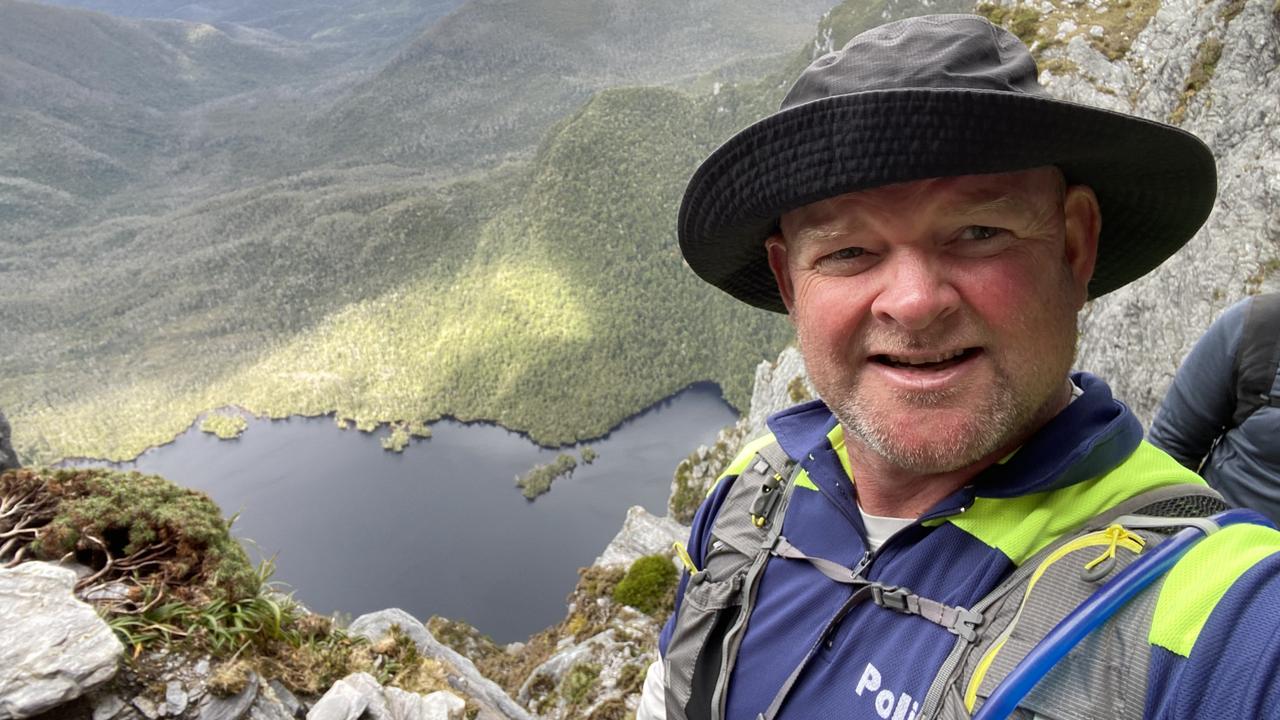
point(547, 294)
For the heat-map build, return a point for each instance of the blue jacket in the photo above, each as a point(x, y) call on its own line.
point(1197, 410)
point(1213, 638)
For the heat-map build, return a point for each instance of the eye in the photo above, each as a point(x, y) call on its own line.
point(848, 253)
point(980, 232)
point(845, 261)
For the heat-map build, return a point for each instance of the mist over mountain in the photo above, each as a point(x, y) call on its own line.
point(488, 79)
point(363, 28)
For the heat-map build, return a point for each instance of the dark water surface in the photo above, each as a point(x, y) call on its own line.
point(440, 529)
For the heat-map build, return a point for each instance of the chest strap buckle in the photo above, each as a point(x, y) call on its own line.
point(957, 620)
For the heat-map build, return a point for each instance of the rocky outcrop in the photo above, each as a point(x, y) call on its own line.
point(1215, 68)
point(641, 534)
point(359, 695)
point(494, 704)
point(8, 458)
point(779, 384)
point(53, 647)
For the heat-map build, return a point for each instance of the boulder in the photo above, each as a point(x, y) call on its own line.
point(359, 695)
point(438, 705)
point(468, 681)
point(53, 647)
point(641, 534)
point(351, 697)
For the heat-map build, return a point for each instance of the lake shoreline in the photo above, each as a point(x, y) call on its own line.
point(527, 435)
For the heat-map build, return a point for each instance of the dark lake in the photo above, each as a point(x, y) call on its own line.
point(440, 529)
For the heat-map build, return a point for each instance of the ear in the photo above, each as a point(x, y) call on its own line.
point(777, 249)
point(1083, 226)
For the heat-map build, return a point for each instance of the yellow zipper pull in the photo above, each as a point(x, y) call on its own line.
point(684, 557)
point(1100, 566)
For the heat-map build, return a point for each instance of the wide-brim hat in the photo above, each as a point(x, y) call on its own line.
point(938, 96)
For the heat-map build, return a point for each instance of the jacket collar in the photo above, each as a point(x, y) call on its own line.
point(1092, 435)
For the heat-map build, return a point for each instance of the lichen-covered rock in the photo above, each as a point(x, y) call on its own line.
point(53, 647)
point(1211, 67)
point(468, 681)
point(584, 679)
point(351, 697)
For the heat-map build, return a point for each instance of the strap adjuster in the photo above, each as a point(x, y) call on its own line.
point(893, 597)
point(765, 500)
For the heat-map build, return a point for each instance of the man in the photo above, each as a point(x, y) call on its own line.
point(932, 221)
point(1221, 415)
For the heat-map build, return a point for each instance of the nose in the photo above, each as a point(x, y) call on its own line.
point(918, 292)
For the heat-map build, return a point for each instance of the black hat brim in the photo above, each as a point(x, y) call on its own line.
point(1155, 183)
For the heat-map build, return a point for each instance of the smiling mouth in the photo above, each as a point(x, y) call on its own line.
point(939, 361)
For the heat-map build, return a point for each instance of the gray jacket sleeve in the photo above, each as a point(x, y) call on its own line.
point(1202, 397)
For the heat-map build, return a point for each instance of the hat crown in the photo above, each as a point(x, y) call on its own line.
point(937, 51)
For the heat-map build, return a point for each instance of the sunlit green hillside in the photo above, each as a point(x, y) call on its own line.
point(547, 294)
point(566, 312)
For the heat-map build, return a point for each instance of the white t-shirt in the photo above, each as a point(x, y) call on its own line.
point(881, 528)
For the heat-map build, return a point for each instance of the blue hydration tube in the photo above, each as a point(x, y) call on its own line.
point(1098, 609)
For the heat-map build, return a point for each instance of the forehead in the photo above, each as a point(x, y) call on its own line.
point(1029, 191)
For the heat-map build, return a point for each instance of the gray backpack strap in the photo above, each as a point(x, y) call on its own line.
point(1258, 357)
point(960, 621)
point(719, 598)
point(1106, 675)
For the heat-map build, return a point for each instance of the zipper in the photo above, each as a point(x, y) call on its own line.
point(1112, 537)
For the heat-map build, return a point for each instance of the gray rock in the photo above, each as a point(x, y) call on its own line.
point(438, 705)
point(175, 698)
point(486, 693)
point(290, 701)
point(267, 706)
point(230, 708)
point(149, 709)
point(1131, 337)
point(107, 707)
point(641, 534)
point(53, 647)
point(8, 458)
point(351, 697)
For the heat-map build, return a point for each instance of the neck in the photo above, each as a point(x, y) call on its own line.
point(889, 490)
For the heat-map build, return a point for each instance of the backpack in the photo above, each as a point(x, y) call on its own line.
point(992, 637)
point(1258, 358)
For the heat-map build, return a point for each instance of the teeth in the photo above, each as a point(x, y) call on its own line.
point(924, 360)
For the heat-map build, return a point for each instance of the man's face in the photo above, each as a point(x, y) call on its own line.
point(938, 318)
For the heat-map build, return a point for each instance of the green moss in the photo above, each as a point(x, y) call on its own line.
point(649, 585)
point(615, 709)
point(226, 426)
point(685, 498)
point(96, 513)
point(1021, 20)
point(1202, 68)
point(1059, 66)
point(538, 480)
point(578, 682)
point(631, 679)
point(798, 391)
point(1231, 9)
